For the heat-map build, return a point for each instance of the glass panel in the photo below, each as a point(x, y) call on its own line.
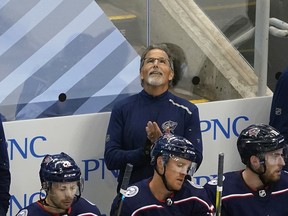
point(238, 16)
point(233, 18)
point(80, 63)
point(62, 58)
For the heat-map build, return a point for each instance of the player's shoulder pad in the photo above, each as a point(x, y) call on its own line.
point(215, 180)
point(23, 212)
point(132, 191)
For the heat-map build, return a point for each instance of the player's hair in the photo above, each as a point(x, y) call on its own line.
point(161, 46)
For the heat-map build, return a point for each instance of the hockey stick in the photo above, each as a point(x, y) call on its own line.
point(219, 184)
point(124, 185)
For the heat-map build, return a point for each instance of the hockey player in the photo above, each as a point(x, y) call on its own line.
point(262, 187)
point(62, 185)
point(168, 192)
point(137, 121)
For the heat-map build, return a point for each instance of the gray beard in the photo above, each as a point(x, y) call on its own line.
point(155, 81)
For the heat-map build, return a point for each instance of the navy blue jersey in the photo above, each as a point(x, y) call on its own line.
point(126, 135)
point(190, 200)
point(279, 107)
point(239, 200)
point(81, 207)
point(5, 178)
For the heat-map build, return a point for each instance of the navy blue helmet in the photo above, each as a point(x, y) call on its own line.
point(258, 139)
point(170, 144)
point(59, 168)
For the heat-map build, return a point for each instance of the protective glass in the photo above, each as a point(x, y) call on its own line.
point(275, 157)
point(181, 165)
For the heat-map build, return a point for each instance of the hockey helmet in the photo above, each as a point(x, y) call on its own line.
point(257, 139)
point(59, 168)
point(169, 144)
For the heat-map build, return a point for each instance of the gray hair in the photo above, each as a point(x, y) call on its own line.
point(161, 46)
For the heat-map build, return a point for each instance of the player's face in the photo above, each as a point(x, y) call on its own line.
point(156, 70)
point(274, 163)
point(176, 170)
point(61, 195)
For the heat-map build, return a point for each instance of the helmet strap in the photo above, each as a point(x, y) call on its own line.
point(163, 177)
point(46, 187)
point(44, 203)
point(260, 174)
point(80, 190)
point(43, 200)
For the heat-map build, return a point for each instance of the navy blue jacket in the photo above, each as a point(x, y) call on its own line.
point(126, 135)
point(5, 178)
point(81, 207)
point(239, 200)
point(190, 200)
point(279, 107)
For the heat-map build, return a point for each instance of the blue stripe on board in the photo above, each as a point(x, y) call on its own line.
point(81, 54)
point(67, 108)
point(85, 65)
point(26, 24)
point(121, 80)
point(72, 54)
point(115, 87)
point(10, 12)
point(105, 103)
point(3, 3)
point(50, 49)
point(105, 71)
point(39, 36)
point(94, 81)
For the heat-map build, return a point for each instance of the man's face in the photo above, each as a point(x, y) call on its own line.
point(176, 170)
point(274, 163)
point(61, 195)
point(156, 70)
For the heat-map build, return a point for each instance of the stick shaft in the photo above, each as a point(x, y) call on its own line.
point(219, 184)
point(124, 185)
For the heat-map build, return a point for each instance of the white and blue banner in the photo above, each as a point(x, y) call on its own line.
point(83, 137)
point(61, 57)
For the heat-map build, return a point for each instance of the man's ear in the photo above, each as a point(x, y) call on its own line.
point(171, 75)
point(141, 75)
point(255, 161)
point(160, 164)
